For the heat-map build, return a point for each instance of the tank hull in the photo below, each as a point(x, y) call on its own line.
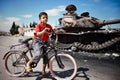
point(90, 40)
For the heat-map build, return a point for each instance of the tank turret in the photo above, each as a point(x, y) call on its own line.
point(85, 21)
point(94, 23)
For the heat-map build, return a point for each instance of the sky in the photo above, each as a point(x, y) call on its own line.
point(24, 12)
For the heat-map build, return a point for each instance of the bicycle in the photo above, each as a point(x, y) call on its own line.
point(62, 66)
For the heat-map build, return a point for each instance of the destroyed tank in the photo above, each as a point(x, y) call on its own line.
point(87, 34)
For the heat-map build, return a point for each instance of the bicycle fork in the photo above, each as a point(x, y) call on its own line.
point(59, 61)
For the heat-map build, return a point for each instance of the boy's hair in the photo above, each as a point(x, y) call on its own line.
point(71, 7)
point(43, 13)
point(85, 14)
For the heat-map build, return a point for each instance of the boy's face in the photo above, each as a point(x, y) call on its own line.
point(71, 11)
point(43, 19)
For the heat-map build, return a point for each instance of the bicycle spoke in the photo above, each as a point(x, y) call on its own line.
point(11, 57)
point(68, 68)
point(67, 72)
point(15, 64)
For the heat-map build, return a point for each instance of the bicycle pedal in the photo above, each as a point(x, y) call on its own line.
point(33, 65)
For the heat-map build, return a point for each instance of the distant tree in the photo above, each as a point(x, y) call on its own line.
point(14, 29)
point(31, 25)
point(34, 24)
point(23, 26)
point(26, 26)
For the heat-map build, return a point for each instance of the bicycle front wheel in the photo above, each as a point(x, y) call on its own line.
point(14, 63)
point(70, 67)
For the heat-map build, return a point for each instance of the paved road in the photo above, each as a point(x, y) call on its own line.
point(90, 66)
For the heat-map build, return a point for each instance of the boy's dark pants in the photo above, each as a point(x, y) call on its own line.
point(39, 50)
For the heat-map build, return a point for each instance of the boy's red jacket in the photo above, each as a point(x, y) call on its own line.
point(45, 36)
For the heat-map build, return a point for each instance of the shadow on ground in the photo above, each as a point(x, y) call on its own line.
point(80, 73)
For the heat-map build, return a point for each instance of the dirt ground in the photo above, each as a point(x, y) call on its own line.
point(90, 66)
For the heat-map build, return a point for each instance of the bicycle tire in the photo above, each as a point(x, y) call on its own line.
point(69, 73)
point(11, 68)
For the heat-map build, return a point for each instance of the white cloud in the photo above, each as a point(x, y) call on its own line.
point(27, 16)
point(11, 19)
point(6, 23)
point(55, 11)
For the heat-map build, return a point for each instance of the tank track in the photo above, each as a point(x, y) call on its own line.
point(89, 47)
point(95, 46)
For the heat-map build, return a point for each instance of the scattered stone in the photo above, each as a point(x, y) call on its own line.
point(115, 55)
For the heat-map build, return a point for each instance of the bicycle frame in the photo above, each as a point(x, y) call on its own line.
point(51, 45)
point(58, 59)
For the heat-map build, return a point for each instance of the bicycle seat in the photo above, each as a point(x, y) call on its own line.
point(24, 40)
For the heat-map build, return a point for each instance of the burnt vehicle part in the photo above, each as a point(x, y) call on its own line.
point(87, 35)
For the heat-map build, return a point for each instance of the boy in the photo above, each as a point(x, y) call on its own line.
point(70, 17)
point(71, 9)
point(41, 37)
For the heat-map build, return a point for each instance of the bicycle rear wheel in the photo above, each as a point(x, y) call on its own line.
point(14, 63)
point(70, 67)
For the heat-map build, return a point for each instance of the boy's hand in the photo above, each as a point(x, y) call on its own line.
point(47, 29)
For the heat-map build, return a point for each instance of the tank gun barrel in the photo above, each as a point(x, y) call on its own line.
point(105, 22)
